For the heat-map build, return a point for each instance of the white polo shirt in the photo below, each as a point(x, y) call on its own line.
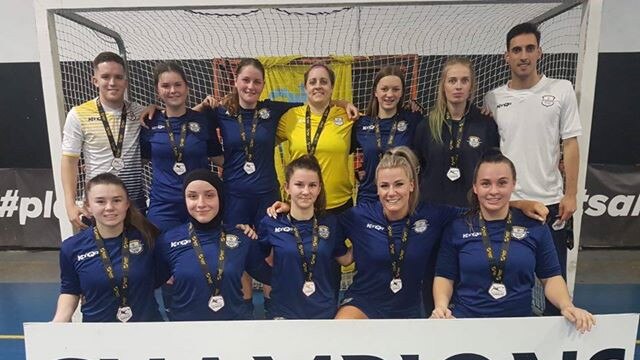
point(531, 123)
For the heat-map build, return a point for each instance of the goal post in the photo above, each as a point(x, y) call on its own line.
point(205, 36)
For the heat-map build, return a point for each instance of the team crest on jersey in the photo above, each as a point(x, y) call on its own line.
point(232, 241)
point(519, 232)
point(264, 113)
point(135, 247)
point(420, 226)
point(402, 125)
point(338, 121)
point(194, 127)
point(474, 141)
point(323, 231)
point(548, 100)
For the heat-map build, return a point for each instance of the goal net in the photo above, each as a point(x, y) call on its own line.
point(208, 42)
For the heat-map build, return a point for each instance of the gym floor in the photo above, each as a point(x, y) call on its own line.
point(608, 281)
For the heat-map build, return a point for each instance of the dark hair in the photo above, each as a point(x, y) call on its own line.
point(404, 158)
point(232, 102)
point(332, 75)
point(524, 28)
point(168, 66)
point(133, 217)
point(491, 156)
point(390, 70)
point(309, 162)
point(107, 56)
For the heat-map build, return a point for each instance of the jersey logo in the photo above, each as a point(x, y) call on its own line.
point(194, 127)
point(338, 121)
point(264, 113)
point(368, 127)
point(474, 141)
point(232, 241)
point(402, 125)
point(420, 226)
point(180, 243)
point(88, 255)
point(282, 229)
point(157, 127)
point(323, 231)
point(548, 100)
point(503, 105)
point(471, 235)
point(135, 247)
point(93, 118)
point(375, 226)
point(519, 232)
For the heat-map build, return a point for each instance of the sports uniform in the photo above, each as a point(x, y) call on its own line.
point(371, 291)
point(166, 198)
point(288, 279)
point(82, 273)
point(332, 149)
point(462, 258)
point(479, 133)
point(84, 133)
point(399, 129)
point(254, 192)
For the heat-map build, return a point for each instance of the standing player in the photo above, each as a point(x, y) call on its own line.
point(105, 132)
point(534, 113)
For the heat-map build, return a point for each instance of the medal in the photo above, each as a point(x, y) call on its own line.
point(216, 302)
point(558, 225)
point(124, 313)
point(249, 167)
point(497, 291)
point(308, 288)
point(117, 164)
point(179, 168)
point(395, 285)
point(453, 174)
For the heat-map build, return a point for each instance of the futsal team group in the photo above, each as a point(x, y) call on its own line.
point(441, 226)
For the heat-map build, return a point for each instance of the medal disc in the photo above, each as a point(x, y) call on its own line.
point(497, 291)
point(124, 313)
point(249, 167)
point(179, 168)
point(453, 174)
point(309, 288)
point(216, 303)
point(117, 164)
point(395, 285)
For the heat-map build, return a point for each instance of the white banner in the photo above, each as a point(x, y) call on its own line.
point(548, 338)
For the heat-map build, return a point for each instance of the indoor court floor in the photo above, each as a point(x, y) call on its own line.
point(608, 281)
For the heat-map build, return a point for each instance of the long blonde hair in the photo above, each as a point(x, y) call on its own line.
point(438, 113)
point(402, 157)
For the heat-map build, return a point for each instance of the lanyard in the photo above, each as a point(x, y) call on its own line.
point(496, 266)
point(119, 291)
point(248, 147)
point(116, 148)
point(398, 259)
point(178, 150)
point(214, 285)
point(311, 145)
point(455, 142)
point(392, 134)
point(307, 265)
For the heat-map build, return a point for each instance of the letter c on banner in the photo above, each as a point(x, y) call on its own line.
point(609, 354)
point(467, 356)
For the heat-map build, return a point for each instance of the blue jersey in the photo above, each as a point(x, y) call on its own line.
point(191, 292)
point(462, 258)
point(82, 273)
point(365, 138)
point(166, 198)
point(479, 134)
point(287, 298)
point(366, 226)
point(264, 179)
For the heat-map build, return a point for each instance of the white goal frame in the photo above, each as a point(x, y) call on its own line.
point(55, 111)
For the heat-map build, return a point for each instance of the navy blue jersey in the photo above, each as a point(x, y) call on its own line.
point(366, 226)
point(365, 138)
point(191, 292)
point(287, 298)
point(264, 179)
point(462, 258)
point(82, 273)
point(166, 186)
point(479, 134)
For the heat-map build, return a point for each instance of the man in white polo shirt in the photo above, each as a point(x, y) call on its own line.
point(537, 115)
